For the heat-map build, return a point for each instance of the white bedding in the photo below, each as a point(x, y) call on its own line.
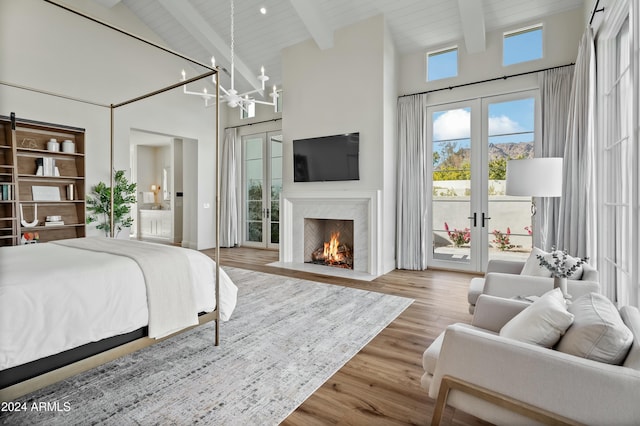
point(54, 298)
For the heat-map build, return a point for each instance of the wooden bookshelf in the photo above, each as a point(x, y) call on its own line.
point(23, 145)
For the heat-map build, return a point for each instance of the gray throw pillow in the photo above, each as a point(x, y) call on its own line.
point(597, 332)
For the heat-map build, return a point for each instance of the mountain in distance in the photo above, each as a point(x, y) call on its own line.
point(457, 156)
point(511, 150)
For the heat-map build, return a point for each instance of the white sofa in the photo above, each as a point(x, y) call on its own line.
point(503, 279)
point(579, 389)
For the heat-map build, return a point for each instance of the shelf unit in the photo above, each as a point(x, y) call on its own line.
point(24, 143)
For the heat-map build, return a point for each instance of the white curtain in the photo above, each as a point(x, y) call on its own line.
point(412, 194)
point(555, 92)
point(228, 199)
point(577, 226)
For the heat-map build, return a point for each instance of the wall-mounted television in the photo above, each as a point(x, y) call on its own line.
point(327, 158)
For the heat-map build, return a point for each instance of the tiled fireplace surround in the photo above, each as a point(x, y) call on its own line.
point(362, 207)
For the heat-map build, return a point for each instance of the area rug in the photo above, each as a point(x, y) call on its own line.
point(285, 339)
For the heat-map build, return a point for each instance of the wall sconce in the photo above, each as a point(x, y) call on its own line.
point(155, 189)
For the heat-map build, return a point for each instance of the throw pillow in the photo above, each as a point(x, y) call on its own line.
point(542, 323)
point(569, 264)
point(598, 332)
point(532, 266)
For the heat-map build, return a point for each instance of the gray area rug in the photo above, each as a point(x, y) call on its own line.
point(285, 339)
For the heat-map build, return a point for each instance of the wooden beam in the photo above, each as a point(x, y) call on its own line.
point(195, 24)
point(472, 20)
point(315, 22)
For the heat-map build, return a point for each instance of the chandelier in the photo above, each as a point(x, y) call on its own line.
point(231, 96)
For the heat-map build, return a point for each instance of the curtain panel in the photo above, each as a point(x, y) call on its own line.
point(228, 196)
point(577, 230)
point(412, 193)
point(555, 93)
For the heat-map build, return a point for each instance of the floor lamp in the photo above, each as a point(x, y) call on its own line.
point(534, 177)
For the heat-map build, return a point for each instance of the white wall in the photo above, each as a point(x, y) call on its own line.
point(47, 48)
point(350, 87)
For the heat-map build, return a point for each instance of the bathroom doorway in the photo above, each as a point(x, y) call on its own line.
point(164, 168)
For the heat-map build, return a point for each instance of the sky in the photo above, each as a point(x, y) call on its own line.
point(503, 118)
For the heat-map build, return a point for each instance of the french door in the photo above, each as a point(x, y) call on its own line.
point(472, 219)
point(262, 185)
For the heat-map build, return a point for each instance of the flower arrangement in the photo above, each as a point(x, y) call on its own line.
point(558, 264)
point(502, 241)
point(458, 236)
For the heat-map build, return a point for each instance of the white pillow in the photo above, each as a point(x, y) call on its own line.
point(598, 332)
point(532, 266)
point(542, 323)
point(569, 263)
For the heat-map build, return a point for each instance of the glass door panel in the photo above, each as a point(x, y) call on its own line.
point(262, 171)
point(253, 189)
point(276, 188)
point(450, 132)
point(510, 125)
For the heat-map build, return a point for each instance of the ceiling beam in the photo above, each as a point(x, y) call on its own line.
point(472, 19)
point(315, 22)
point(194, 24)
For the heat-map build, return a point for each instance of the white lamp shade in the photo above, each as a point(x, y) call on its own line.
point(535, 177)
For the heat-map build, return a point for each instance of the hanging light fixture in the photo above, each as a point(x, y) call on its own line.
point(231, 96)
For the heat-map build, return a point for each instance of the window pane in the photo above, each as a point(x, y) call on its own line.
point(249, 112)
point(511, 131)
point(522, 46)
point(442, 64)
point(451, 188)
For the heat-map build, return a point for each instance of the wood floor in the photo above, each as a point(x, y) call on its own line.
point(381, 384)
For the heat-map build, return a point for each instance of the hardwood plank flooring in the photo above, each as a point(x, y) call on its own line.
point(381, 384)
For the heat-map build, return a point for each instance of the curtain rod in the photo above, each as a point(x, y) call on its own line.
point(251, 124)
point(486, 81)
point(595, 10)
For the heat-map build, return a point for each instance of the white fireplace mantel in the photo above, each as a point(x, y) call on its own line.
point(363, 207)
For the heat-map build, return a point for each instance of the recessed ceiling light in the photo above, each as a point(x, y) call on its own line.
point(263, 10)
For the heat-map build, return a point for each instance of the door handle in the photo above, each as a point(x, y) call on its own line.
point(484, 219)
point(268, 212)
point(475, 219)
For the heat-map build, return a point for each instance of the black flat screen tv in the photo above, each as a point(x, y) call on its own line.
point(328, 158)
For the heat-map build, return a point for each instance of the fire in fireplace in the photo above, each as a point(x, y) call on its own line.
point(329, 242)
point(334, 253)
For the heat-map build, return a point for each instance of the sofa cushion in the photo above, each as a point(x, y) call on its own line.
point(597, 332)
point(631, 317)
point(542, 323)
point(532, 265)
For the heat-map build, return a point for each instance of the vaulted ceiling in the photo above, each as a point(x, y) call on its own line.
point(201, 28)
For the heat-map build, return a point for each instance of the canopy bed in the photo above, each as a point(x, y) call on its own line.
point(72, 304)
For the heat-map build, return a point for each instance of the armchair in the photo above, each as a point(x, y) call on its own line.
point(505, 381)
point(503, 279)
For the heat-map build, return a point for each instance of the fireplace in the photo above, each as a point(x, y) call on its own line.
point(363, 208)
point(329, 242)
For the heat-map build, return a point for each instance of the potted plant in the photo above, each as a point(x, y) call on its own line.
point(562, 267)
point(99, 204)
